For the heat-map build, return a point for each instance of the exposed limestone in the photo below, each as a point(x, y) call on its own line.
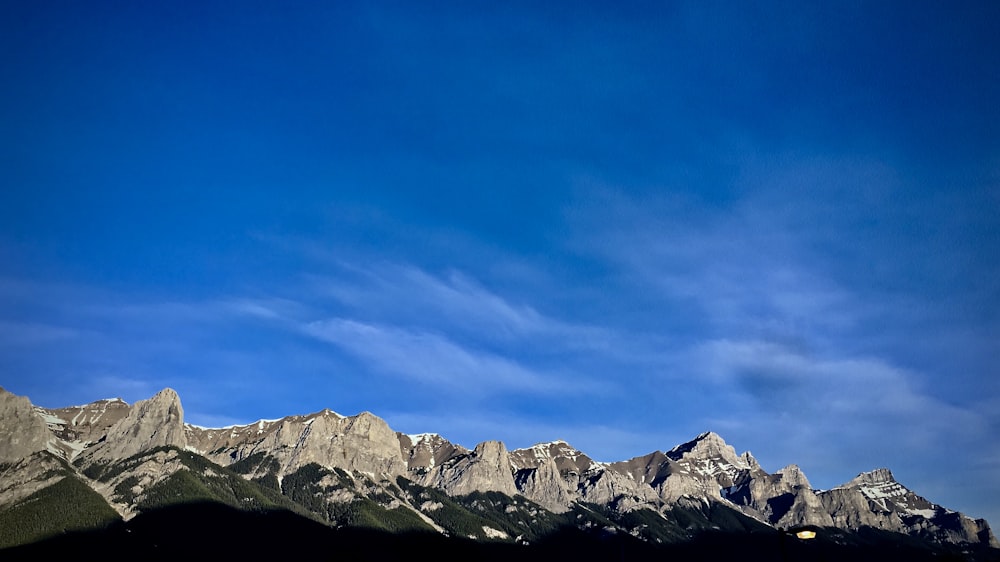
point(568, 460)
point(876, 499)
point(651, 469)
point(150, 423)
point(697, 474)
point(545, 485)
point(709, 445)
point(24, 433)
point(613, 487)
point(363, 443)
point(424, 453)
point(87, 423)
point(487, 468)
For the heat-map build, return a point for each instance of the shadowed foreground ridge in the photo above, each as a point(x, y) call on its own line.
point(116, 479)
point(211, 530)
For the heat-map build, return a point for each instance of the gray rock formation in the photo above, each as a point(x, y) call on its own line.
point(151, 423)
point(428, 451)
point(363, 443)
point(78, 427)
point(23, 431)
point(702, 472)
point(545, 485)
point(569, 461)
point(486, 469)
point(86, 423)
point(618, 489)
point(876, 499)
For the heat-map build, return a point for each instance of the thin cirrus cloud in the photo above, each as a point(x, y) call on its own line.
point(739, 267)
point(406, 294)
point(455, 306)
point(450, 331)
point(781, 379)
point(429, 358)
point(796, 328)
point(835, 416)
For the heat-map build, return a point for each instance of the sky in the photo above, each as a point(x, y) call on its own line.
point(617, 225)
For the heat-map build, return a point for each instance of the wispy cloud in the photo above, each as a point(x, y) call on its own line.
point(431, 358)
point(807, 341)
point(787, 380)
point(405, 294)
point(734, 270)
point(835, 416)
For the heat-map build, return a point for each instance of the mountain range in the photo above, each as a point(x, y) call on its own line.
point(105, 467)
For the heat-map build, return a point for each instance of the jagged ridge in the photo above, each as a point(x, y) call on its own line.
point(353, 465)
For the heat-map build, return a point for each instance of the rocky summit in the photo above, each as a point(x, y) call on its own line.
point(90, 466)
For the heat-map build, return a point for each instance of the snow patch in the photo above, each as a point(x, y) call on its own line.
point(885, 490)
point(235, 426)
point(49, 418)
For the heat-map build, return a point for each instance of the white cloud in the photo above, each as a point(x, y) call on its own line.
point(831, 414)
point(740, 268)
point(402, 294)
point(430, 358)
point(868, 388)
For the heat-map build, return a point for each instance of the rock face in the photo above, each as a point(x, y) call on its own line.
point(486, 469)
point(876, 499)
point(86, 423)
point(23, 431)
point(364, 443)
point(361, 457)
point(428, 451)
point(150, 423)
point(553, 474)
point(568, 460)
point(546, 485)
point(78, 427)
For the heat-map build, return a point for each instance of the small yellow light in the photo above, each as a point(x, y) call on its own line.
point(806, 534)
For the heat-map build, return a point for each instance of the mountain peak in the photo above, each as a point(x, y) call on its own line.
point(566, 457)
point(24, 432)
point(492, 450)
point(708, 444)
point(709, 439)
point(167, 393)
point(877, 476)
point(149, 424)
point(417, 438)
point(794, 476)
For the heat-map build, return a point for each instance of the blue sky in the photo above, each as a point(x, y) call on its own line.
point(619, 226)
